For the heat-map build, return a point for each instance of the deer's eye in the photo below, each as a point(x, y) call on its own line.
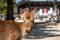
point(28, 17)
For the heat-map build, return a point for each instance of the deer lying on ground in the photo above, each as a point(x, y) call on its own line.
point(11, 30)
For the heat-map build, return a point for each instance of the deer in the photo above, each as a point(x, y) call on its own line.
point(11, 30)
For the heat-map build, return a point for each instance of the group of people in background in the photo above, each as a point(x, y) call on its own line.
point(47, 14)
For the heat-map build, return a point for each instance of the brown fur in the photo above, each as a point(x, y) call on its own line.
point(9, 29)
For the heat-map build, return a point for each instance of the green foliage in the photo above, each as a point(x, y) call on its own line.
point(3, 8)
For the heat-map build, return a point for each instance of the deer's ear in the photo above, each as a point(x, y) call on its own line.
point(33, 11)
point(21, 10)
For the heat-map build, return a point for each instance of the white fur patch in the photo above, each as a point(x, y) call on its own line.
point(19, 21)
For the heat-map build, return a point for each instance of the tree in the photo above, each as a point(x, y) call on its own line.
point(3, 7)
point(10, 14)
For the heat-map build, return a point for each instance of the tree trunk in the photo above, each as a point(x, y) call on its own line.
point(9, 15)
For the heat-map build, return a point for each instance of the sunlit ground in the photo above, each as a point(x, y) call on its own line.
point(45, 31)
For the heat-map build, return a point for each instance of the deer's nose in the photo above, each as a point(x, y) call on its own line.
point(27, 31)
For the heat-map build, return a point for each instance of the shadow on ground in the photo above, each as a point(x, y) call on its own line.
point(39, 31)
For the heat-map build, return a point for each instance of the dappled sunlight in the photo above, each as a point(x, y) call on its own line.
point(39, 32)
